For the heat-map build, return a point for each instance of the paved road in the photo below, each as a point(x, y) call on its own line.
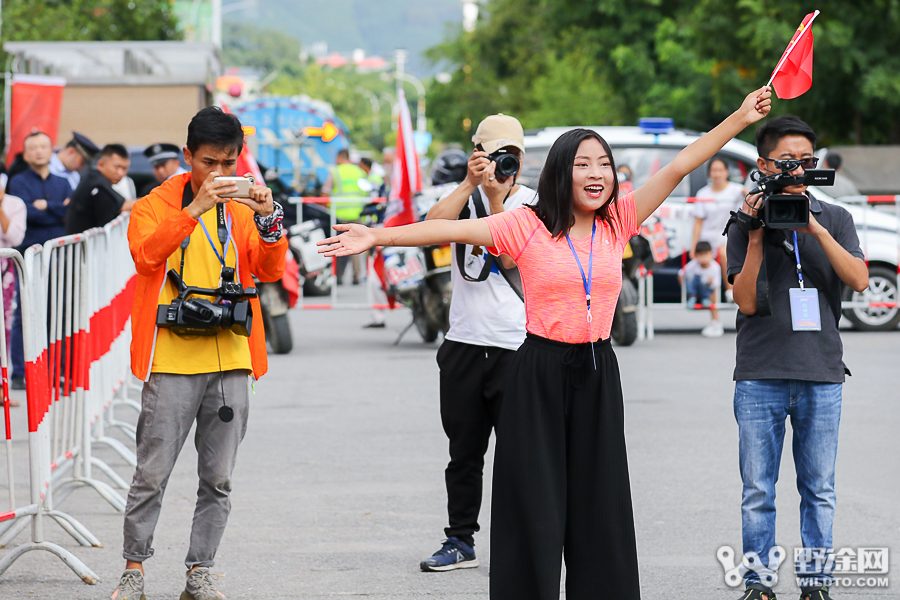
point(339, 484)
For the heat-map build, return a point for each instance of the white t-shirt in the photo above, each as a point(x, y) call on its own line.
point(716, 214)
point(489, 312)
point(711, 275)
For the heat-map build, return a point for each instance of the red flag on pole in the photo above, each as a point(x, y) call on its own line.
point(793, 75)
point(36, 104)
point(406, 179)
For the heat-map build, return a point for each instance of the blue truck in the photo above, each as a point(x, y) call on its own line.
point(298, 137)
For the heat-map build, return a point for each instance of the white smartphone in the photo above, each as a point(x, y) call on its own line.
point(243, 185)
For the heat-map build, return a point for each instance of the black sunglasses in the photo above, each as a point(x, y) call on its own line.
point(791, 164)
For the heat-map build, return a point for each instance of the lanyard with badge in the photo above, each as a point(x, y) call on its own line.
point(587, 280)
point(805, 315)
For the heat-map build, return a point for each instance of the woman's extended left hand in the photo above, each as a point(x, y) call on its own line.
point(756, 105)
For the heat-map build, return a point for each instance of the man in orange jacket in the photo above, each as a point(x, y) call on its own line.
point(202, 378)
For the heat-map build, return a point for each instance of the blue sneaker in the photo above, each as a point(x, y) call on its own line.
point(454, 554)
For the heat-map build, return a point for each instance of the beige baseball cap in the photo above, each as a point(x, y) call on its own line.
point(497, 131)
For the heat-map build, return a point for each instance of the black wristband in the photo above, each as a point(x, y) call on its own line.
point(745, 221)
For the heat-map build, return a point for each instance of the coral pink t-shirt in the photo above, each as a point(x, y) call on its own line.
point(555, 305)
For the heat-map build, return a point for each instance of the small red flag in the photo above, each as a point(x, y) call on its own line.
point(793, 75)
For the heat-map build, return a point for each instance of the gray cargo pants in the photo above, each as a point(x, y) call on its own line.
point(169, 406)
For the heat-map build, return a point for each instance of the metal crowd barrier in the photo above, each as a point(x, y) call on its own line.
point(333, 304)
point(76, 297)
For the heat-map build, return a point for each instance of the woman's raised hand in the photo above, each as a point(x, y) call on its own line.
point(355, 239)
point(756, 105)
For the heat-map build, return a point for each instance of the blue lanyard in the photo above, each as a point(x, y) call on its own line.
point(587, 282)
point(227, 240)
point(797, 254)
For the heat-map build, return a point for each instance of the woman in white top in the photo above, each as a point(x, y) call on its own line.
point(712, 210)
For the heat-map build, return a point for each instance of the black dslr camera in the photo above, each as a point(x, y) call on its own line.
point(787, 211)
point(187, 315)
point(507, 163)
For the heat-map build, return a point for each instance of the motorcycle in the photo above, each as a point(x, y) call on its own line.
point(314, 269)
point(419, 278)
point(275, 299)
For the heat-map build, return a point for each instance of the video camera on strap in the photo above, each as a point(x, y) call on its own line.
point(230, 308)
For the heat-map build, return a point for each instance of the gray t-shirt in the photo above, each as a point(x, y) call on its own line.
point(768, 347)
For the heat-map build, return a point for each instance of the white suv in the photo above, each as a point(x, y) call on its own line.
point(645, 153)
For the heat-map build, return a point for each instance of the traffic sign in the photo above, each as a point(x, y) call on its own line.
point(328, 131)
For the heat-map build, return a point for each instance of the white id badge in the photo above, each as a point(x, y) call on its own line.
point(805, 315)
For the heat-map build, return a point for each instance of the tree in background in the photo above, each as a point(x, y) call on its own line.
point(349, 91)
point(88, 20)
point(610, 62)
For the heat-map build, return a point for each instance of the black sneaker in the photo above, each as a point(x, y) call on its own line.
point(454, 554)
point(757, 591)
point(815, 594)
point(17, 383)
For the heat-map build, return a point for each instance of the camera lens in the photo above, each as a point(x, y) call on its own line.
point(507, 165)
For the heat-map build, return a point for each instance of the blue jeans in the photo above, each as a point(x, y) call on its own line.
point(761, 408)
point(697, 288)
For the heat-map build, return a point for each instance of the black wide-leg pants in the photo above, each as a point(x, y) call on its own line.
point(561, 478)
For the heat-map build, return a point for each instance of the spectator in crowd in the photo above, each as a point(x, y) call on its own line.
point(46, 197)
point(487, 325)
point(164, 160)
point(377, 180)
point(73, 158)
point(12, 232)
point(387, 164)
point(626, 185)
point(702, 278)
point(711, 211)
point(842, 184)
point(95, 203)
point(375, 286)
point(343, 180)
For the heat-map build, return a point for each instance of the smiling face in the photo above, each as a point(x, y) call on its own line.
point(790, 146)
point(592, 176)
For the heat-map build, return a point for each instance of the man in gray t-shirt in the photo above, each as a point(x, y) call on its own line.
point(785, 373)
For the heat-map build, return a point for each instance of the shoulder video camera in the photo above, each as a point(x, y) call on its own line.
point(787, 211)
point(189, 315)
point(507, 163)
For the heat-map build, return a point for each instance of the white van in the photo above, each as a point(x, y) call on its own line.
point(645, 153)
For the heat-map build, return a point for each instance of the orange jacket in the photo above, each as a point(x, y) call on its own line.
point(157, 227)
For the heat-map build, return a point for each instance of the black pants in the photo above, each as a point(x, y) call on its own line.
point(473, 379)
point(561, 478)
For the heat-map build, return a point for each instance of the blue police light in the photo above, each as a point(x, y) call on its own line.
point(656, 125)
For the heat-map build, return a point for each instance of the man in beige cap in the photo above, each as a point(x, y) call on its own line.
point(487, 324)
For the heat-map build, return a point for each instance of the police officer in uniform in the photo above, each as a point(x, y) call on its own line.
point(164, 160)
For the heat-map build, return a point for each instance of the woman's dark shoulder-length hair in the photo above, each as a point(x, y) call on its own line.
point(555, 190)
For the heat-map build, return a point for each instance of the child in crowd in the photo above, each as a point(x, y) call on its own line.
point(702, 278)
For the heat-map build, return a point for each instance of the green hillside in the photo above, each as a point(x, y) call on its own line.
point(376, 26)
